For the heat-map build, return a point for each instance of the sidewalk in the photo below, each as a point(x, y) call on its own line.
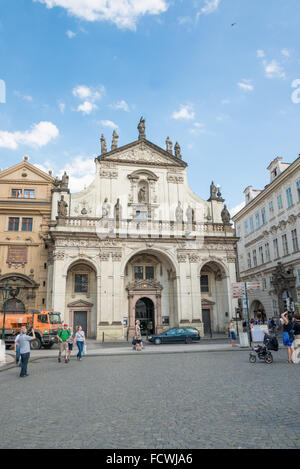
point(95, 349)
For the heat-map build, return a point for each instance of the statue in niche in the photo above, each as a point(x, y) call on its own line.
point(118, 213)
point(179, 213)
point(115, 139)
point(190, 214)
point(169, 145)
point(65, 181)
point(225, 216)
point(142, 195)
point(105, 208)
point(103, 144)
point(62, 208)
point(177, 150)
point(213, 191)
point(142, 128)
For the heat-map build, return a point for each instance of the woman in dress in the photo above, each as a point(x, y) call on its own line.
point(137, 335)
point(288, 335)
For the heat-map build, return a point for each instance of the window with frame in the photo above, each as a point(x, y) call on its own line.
point(276, 248)
point(285, 246)
point(261, 255)
point(13, 224)
point(298, 189)
point(267, 252)
point(271, 207)
point(29, 193)
point(254, 258)
point(27, 224)
point(144, 272)
point(16, 193)
point(246, 227)
point(249, 260)
point(81, 283)
point(204, 283)
point(251, 225)
point(295, 240)
point(257, 219)
point(279, 202)
point(263, 216)
point(289, 197)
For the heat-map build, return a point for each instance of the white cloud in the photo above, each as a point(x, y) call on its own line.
point(185, 112)
point(260, 54)
point(122, 105)
point(210, 6)
point(225, 101)
point(62, 107)
point(107, 123)
point(286, 53)
point(38, 136)
point(81, 171)
point(85, 92)
point(273, 69)
point(123, 13)
point(25, 97)
point(246, 85)
point(87, 107)
point(70, 34)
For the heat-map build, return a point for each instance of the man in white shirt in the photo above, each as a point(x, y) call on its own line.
point(24, 344)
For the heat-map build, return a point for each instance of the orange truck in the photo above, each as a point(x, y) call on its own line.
point(45, 324)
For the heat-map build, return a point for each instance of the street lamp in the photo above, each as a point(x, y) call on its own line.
point(5, 291)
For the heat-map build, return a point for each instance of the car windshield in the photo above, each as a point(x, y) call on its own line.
point(55, 318)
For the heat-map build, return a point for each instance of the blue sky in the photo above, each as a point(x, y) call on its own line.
point(75, 69)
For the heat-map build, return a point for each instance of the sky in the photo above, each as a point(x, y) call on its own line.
point(221, 77)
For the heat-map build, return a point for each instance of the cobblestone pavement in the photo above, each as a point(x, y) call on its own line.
point(181, 401)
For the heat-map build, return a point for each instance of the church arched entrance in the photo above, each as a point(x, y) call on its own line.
point(145, 313)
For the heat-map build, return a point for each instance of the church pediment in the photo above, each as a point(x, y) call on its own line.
point(25, 172)
point(142, 152)
point(80, 304)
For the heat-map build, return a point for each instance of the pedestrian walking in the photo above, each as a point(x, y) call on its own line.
point(296, 354)
point(70, 346)
point(232, 333)
point(17, 350)
point(24, 344)
point(138, 336)
point(63, 337)
point(80, 341)
point(288, 334)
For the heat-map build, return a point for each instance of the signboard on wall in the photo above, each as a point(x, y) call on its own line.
point(17, 255)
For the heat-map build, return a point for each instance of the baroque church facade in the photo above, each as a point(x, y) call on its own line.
point(139, 244)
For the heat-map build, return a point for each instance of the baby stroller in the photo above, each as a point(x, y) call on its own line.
point(263, 352)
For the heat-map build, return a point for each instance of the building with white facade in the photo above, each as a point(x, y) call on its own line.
point(268, 228)
point(139, 244)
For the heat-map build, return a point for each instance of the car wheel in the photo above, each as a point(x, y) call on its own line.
point(188, 340)
point(157, 341)
point(252, 359)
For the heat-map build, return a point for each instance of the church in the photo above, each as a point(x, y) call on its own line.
point(138, 243)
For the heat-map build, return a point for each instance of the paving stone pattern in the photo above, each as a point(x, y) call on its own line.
point(181, 401)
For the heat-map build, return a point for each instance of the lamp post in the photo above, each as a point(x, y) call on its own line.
point(5, 291)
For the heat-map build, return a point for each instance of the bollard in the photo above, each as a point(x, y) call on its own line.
point(102, 337)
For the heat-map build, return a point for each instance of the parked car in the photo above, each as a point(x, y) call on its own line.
point(176, 334)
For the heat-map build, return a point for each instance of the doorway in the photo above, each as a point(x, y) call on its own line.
point(80, 319)
point(144, 312)
point(206, 321)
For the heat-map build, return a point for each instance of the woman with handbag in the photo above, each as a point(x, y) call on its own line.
point(80, 340)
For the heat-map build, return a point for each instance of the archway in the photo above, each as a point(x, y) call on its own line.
point(14, 306)
point(215, 300)
point(145, 313)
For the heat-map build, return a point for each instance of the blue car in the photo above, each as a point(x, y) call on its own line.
point(175, 335)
